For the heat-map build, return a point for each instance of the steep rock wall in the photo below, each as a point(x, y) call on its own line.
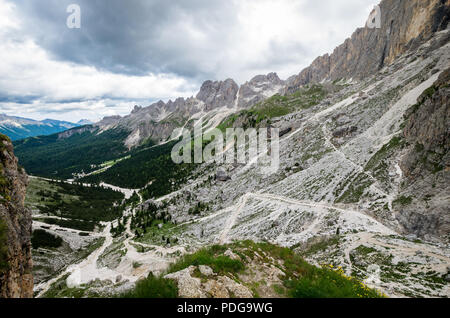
point(16, 279)
point(405, 24)
point(426, 165)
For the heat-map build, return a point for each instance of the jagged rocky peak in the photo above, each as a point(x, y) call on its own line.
point(174, 105)
point(159, 104)
point(78, 130)
point(405, 25)
point(16, 278)
point(218, 94)
point(259, 88)
point(153, 112)
point(365, 53)
point(136, 109)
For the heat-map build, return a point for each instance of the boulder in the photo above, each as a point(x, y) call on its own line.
point(188, 286)
point(222, 176)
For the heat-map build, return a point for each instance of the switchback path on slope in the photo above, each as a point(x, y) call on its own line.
point(237, 209)
point(358, 167)
point(156, 260)
point(232, 219)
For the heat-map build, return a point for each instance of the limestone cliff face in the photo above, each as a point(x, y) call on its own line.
point(429, 121)
point(426, 164)
point(405, 24)
point(16, 278)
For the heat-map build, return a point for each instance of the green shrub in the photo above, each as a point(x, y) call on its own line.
point(209, 257)
point(429, 92)
point(403, 200)
point(153, 287)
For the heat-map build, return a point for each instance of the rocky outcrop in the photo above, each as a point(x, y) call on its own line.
point(212, 286)
point(285, 131)
point(221, 175)
point(262, 271)
point(258, 89)
point(109, 120)
point(405, 24)
point(344, 132)
point(16, 278)
point(218, 94)
point(158, 120)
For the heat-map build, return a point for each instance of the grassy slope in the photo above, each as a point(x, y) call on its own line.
point(277, 106)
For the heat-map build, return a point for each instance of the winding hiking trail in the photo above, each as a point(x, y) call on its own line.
point(88, 270)
point(237, 209)
point(232, 219)
point(88, 263)
point(359, 168)
point(127, 192)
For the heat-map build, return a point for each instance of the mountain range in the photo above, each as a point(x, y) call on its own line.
point(19, 128)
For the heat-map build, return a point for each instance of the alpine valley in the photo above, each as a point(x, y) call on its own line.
point(360, 206)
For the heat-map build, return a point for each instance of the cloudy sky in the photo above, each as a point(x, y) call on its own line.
point(131, 52)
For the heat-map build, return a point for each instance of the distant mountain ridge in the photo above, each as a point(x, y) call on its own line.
point(17, 128)
point(214, 101)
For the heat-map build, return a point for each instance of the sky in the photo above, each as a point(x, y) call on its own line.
point(136, 52)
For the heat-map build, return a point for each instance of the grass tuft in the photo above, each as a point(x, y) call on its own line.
point(153, 287)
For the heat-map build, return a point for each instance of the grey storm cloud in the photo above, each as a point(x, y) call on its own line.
point(131, 52)
point(189, 38)
point(132, 36)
